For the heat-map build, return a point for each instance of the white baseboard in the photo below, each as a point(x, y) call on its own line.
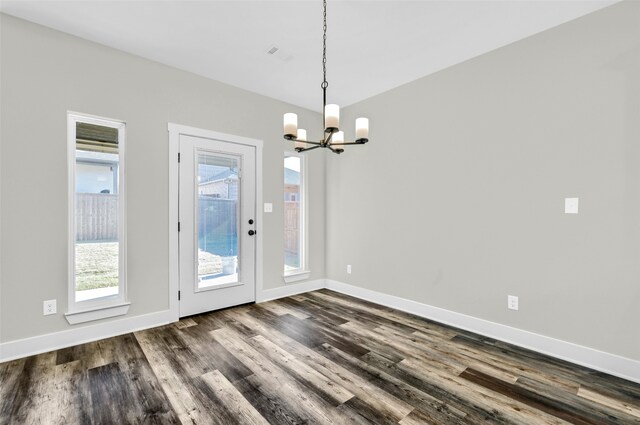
point(42, 343)
point(605, 362)
point(54, 341)
point(291, 289)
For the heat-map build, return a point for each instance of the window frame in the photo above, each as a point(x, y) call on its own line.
point(303, 271)
point(113, 305)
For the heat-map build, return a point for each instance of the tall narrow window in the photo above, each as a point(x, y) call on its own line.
point(294, 217)
point(96, 222)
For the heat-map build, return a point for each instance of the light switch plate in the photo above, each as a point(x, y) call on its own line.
point(571, 205)
point(268, 207)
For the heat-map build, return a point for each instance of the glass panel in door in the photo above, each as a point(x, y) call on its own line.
point(217, 220)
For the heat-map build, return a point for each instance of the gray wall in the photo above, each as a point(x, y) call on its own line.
point(45, 73)
point(458, 200)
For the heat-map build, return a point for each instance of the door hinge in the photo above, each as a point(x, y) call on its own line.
point(178, 226)
point(178, 156)
point(178, 295)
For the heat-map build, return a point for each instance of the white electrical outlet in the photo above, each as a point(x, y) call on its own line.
point(49, 307)
point(349, 268)
point(268, 207)
point(512, 302)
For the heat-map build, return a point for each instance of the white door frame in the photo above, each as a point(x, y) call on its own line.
point(175, 131)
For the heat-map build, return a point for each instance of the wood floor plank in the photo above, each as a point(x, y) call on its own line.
point(274, 410)
point(219, 413)
point(528, 366)
point(391, 385)
point(331, 390)
point(314, 358)
point(613, 387)
point(310, 310)
point(419, 417)
point(387, 313)
point(363, 317)
point(32, 399)
point(357, 411)
point(549, 404)
point(72, 398)
point(406, 350)
point(388, 405)
point(611, 402)
point(553, 369)
point(511, 410)
point(173, 376)
point(10, 376)
point(308, 404)
point(422, 394)
point(231, 322)
point(569, 401)
point(474, 412)
point(280, 308)
point(151, 401)
point(213, 356)
point(185, 323)
point(447, 352)
point(362, 338)
point(293, 330)
point(109, 399)
point(228, 396)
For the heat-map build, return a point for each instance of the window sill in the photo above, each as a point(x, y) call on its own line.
point(296, 276)
point(97, 313)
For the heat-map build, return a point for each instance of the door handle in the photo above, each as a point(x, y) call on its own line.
point(252, 232)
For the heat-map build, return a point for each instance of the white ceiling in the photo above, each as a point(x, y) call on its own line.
point(373, 46)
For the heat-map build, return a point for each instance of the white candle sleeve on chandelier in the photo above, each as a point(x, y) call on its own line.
point(362, 128)
point(338, 137)
point(302, 136)
point(331, 116)
point(290, 124)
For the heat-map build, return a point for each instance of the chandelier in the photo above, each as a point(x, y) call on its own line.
point(333, 138)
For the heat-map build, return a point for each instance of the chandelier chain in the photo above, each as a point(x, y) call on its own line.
point(325, 84)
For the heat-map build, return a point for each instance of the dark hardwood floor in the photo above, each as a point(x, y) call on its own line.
point(315, 358)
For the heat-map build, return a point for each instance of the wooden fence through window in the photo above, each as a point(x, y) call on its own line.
point(96, 217)
point(292, 226)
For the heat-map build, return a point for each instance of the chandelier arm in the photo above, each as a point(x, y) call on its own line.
point(307, 149)
point(295, 139)
point(328, 137)
point(357, 142)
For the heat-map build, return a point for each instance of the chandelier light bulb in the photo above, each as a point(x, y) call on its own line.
point(362, 128)
point(302, 134)
point(290, 125)
point(331, 118)
point(302, 137)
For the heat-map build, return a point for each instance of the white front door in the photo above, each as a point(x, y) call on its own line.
point(217, 215)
